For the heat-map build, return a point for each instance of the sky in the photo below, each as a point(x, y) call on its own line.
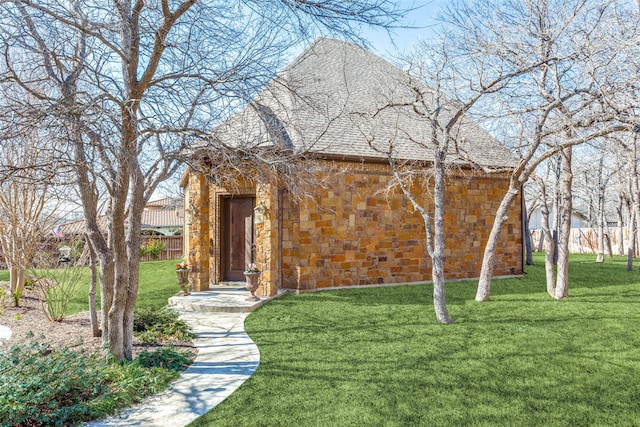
point(421, 22)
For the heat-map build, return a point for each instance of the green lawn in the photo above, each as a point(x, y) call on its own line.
point(376, 357)
point(157, 284)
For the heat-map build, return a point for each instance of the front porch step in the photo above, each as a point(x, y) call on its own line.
point(221, 299)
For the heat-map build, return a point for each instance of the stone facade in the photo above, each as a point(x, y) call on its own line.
point(355, 231)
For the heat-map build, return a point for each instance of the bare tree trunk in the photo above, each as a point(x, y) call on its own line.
point(608, 245)
point(549, 255)
point(502, 215)
point(120, 283)
point(541, 242)
point(546, 231)
point(556, 206)
point(634, 211)
point(437, 266)
point(562, 276)
point(601, 221)
point(631, 231)
point(93, 312)
point(134, 237)
point(636, 225)
point(527, 236)
point(619, 230)
point(601, 248)
point(435, 245)
point(13, 280)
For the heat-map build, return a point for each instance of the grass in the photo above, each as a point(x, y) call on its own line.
point(376, 357)
point(157, 284)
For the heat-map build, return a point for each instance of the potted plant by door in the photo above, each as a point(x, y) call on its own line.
point(252, 274)
point(182, 271)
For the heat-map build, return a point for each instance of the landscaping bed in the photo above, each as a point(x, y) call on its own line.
point(55, 373)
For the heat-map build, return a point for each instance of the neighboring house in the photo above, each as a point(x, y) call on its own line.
point(353, 232)
point(583, 238)
point(578, 220)
point(163, 217)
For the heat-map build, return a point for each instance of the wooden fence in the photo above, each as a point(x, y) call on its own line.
point(585, 240)
point(173, 250)
point(49, 248)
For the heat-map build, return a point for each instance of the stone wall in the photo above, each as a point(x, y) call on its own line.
point(197, 231)
point(357, 232)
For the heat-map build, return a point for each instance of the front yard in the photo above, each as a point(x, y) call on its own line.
point(376, 357)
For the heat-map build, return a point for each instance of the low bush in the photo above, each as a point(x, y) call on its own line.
point(153, 248)
point(153, 326)
point(16, 295)
point(57, 287)
point(165, 357)
point(41, 386)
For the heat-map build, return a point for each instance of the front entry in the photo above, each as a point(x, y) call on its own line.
point(238, 248)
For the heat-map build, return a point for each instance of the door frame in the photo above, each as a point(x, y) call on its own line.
point(225, 244)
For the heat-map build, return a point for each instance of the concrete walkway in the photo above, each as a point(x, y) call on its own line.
point(5, 334)
point(227, 357)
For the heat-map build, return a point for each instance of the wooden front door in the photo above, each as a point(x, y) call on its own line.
point(238, 247)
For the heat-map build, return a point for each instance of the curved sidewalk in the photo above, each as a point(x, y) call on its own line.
point(227, 357)
point(5, 334)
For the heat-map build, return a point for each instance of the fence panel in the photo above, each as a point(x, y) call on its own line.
point(173, 250)
point(49, 250)
point(585, 240)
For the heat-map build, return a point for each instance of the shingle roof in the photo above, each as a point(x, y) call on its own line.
point(326, 102)
point(163, 218)
point(165, 203)
point(159, 213)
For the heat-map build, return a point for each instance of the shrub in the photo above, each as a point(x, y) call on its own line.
point(153, 326)
point(30, 282)
point(41, 386)
point(57, 287)
point(153, 248)
point(16, 295)
point(166, 358)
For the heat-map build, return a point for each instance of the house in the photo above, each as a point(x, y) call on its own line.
point(162, 217)
point(578, 220)
point(352, 230)
point(583, 236)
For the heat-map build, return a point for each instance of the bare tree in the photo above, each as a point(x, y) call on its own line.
point(594, 175)
point(434, 98)
point(28, 206)
point(554, 107)
point(546, 230)
point(124, 88)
